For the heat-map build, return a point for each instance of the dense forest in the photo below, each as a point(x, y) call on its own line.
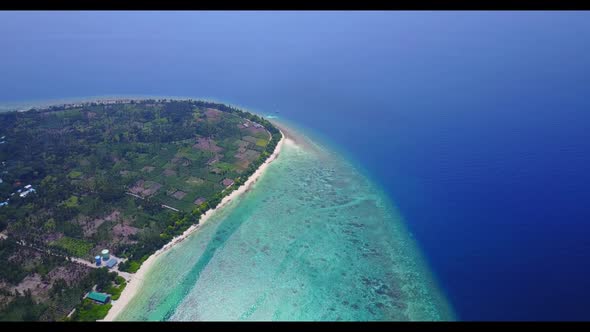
point(127, 176)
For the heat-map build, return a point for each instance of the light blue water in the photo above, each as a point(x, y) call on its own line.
point(312, 240)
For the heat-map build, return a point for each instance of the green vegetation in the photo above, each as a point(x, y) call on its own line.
point(71, 202)
point(102, 173)
point(131, 266)
point(11, 270)
point(58, 301)
point(75, 174)
point(74, 247)
point(89, 311)
point(23, 308)
point(261, 142)
point(116, 289)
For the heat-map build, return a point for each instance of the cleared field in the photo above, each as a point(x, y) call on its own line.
point(183, 171)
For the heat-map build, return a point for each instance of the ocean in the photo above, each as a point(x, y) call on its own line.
point(474, 124)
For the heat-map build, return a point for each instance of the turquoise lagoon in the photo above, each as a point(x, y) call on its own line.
point(312, 240)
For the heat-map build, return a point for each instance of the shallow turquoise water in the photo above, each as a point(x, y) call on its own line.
point(312, 240)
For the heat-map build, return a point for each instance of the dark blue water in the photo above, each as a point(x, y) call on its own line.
point(476, 123)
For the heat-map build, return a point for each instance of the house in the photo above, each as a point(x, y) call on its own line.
point(246, 125)
point(3, 203)
point(28, 186)
point(101, 298)
point(111, 263)
point(27, 192)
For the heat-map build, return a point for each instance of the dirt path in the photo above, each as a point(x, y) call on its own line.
point(125, 275)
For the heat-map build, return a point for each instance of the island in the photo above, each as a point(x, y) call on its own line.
point(90, 191)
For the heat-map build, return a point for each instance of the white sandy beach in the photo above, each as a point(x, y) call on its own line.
point(136, 280)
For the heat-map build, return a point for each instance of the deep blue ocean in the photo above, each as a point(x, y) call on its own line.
point(476, 123)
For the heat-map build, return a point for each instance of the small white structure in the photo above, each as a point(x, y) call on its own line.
point(27, 192)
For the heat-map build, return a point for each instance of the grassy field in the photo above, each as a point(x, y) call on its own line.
point(74, 247)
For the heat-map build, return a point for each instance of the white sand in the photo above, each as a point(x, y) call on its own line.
point(136, 280)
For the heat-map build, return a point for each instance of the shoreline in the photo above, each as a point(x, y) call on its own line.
point(136, 280)
point(25, 106)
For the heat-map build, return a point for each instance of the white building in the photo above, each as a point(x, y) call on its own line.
point(26, 193)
